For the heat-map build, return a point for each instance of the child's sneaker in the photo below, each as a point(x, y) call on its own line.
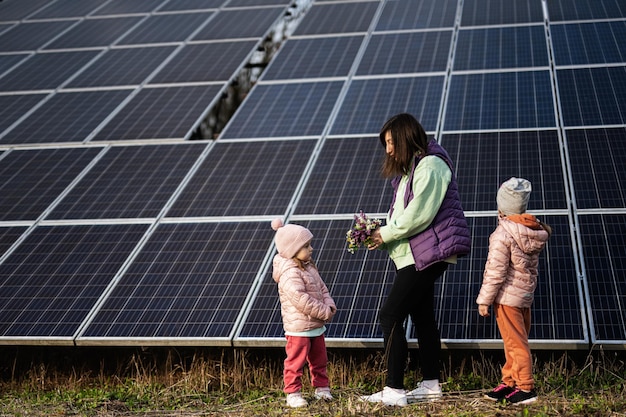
point(296, 400)
point(521, 397)
point(424, 393)
point(388, 396)
point(499, 393)
point(323, 393)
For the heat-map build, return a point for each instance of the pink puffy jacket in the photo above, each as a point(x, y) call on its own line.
point(305, 302)
point(510, 276)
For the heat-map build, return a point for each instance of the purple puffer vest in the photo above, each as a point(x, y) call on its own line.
point(448, 234)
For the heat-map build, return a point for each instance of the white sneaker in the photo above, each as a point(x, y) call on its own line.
point(295, 400)
point(424, 393)
point(323, 393)
point(388, 396)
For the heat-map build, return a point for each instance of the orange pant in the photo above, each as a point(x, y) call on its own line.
point(514, 326)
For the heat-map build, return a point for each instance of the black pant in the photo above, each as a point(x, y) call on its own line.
point(412, 294)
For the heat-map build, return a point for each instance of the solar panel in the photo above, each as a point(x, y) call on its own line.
point(419, 14)
point(160, 28)
point(66, 117)
point(129, 182)
point(8, 61)
point(507, 100)
point(494, 12)
point(592, 96)
point(94, 33)
point(505, 47)
point(589, 43)
point(238, 179)
point(51, 281)
point(239, 23)
point(561, 10)
point(483, 161)
point(160, 113)
point(13, 107)
point(182, 5)
point(19, 10)
point(598, 172)
point(369, 103)
point(114, 7)
point(188, 281)
point(314, 58)
point(45, 71)
point(346, 179)
point(32, 179)
point(604, 248)
point(337, 18)
point(406, 53)
point(67, 8)
point(205, 62)
point(249, 3)
point(280, 110)
point(32, 36)
point(122, 66)
point(8, 236)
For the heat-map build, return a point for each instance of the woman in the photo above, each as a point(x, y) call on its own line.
point(425, 231)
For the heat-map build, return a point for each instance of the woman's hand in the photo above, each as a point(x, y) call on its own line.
point(375, 240)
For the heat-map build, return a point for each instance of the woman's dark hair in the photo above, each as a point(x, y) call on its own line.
point(408, 137)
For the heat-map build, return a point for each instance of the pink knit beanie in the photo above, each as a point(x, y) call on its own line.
point(290, 238)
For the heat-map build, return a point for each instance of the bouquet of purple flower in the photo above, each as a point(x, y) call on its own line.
point(361, 231)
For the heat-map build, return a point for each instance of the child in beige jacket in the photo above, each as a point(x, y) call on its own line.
point(509, 283)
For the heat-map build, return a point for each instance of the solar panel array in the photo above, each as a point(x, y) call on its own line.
point(117, 229)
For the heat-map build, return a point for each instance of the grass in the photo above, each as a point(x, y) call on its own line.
point(248, 382)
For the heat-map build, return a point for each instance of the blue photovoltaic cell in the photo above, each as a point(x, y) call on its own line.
point(593, 96)
point(510, 100)
point(604, 249)
point(560, 10)
point(31, 180)
point(280, 110)
point(337, 18)
point(598, 170)
point(496, 12)
point(369, 103)
point(189, 280)
point(160, 113)
point(8, 61)
point(129, 182)
point(115, 7)
point(358, 284)
point(165, 28)
point(398, 53)
point(182, 5)
point(314, 58)
point(8, 236)
point(483, 161)
point(589, 43)
point(18, 10)
point(52, 280)
point(557, 306)
point(244, 179)
point(45, 70)
point(240, 23)
point(95, 32)
point(123, 66)
point(346, 179)
point(31, 36)
point(420, 14)
point(506, 47)
point(67, 117)
point(13, 107)
point(213, 61)
point(67, 8)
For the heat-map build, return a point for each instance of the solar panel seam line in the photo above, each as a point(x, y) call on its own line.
point(570, 192)
point(142, 242)
point(47, 211)
point(448, 73)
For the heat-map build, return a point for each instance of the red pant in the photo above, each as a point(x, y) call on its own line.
point(514, 326)
point(301, 350)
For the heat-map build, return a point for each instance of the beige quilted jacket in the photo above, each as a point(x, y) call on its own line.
point(305, 302)
point(510, 275)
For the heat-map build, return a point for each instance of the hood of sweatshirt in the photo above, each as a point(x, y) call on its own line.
point(531, 239)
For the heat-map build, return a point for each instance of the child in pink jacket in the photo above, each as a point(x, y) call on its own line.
point(509, 283)
point(306, 306)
